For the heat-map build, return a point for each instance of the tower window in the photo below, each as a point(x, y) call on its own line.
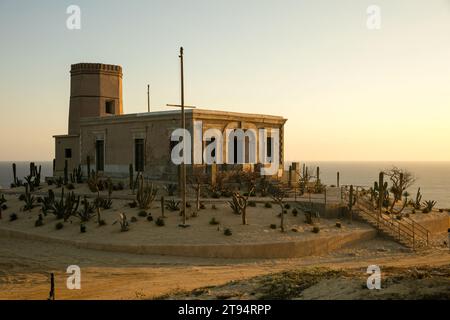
point(109, 107)
point(139, 154)
point(68, 153)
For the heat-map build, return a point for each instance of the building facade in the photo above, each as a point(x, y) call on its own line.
point(99, 132)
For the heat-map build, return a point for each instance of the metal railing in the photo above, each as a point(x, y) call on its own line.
point(406, 230)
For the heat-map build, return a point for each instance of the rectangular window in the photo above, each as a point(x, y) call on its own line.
point(213, 152)
point(68, 153)
point(109, 107)
point(139, 154)
point(269, 147)
point(100, 155)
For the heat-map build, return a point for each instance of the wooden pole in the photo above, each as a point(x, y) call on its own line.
point(183, 125)
point(148, 98)
point(51, 295)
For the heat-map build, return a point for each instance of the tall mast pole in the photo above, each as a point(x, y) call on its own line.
point(183, 125)
point(148, 98)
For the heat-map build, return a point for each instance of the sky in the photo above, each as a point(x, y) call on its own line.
point(349, 93)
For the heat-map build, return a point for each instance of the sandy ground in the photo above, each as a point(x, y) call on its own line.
point(25, 265)
point(200, 231)
point(25, 268)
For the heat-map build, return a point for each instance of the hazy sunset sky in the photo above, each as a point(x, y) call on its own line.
point(349, 93)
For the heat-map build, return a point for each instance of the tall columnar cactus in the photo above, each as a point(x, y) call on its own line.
point(32, 168)
point(88, 163)
point(15, 175)
point(162, 206)
point(351, 202)
point(130, 171)
point(337, 178)
point(318, 175)
point(381, 191)
point(66, 172)
point(418, 199)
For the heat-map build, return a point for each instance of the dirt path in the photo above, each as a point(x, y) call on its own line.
point(25, 268)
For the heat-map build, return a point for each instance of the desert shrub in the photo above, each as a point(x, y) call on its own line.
point(214, 207)
point(132, 204)
point(213, 221)
point(70, 186)
point(188, 204)
point(13, 217)
point(82, 228)
point(171, 188)
point(133, 219)
point(149, 218)
point(294, 212)
point(142, 213)
point(338, 224)
point(227, 193)
point(173, 205)
point(39, 222)
point(287, 206)
point(4, 207)
point(227, 232)
point(102, 222)
point(273, 226)
point(252, 204)
point(59, 226)
point(268, 205)
point(215, 195)
point(22, 197)
point(160, 222)
point(316, 229)
point(202, 206)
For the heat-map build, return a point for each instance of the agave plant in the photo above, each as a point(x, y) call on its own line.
point(429, 205)
point(173, 205)
point(28, 199)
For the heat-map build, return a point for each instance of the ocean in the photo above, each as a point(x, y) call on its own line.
point(432, 177)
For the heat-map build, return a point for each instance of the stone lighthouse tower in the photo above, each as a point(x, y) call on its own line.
point(95, 91)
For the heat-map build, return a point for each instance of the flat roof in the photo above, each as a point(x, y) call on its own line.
point(188, 111)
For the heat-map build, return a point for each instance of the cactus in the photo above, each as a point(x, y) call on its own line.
point(14, 174)
point(173, 205)
point(123, 222)
point(87, 210)
point(338, 178)
point(37, 176)
point(146, 194)
point(351, 202)
point(77, 175)
point(130, 172)
point(29, 199)
point(65, 207)
point(418, 199)
point(162, 206)
point(88, 163)
point(66, 173)
point(429, 205)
